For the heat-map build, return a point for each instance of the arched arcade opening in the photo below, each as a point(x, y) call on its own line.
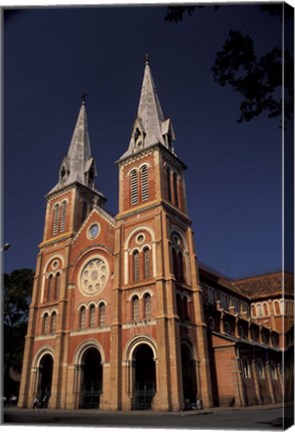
point(144, 375)
point(91, 379)
point(45, 379)
point(189, 379)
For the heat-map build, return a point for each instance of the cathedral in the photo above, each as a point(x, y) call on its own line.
point(123, 316)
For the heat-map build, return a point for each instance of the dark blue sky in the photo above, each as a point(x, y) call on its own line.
point(52, 56)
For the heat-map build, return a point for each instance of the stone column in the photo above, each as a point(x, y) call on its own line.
point(269, 382)
point(256, 382)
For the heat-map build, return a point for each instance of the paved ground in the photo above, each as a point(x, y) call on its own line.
point(266, 418)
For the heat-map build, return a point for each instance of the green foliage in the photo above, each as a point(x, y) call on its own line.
point(16, 292)
point(258, 81)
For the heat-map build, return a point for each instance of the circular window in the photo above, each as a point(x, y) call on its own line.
point(55, 264)
point(140, 238)
point(94, 276)
point(93, 231)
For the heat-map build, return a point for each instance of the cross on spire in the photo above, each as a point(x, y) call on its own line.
point(83, 98)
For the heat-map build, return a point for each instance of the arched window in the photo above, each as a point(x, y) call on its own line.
point(55, 219)
point(265, 309)
point(82, 317)
point(179, 305)
point(176, 200)
point(57, 285)
point(185, 309)
point(134, 187)
point(282, 309)
point(276, 306)
point(147, 262)
point(144, 183)
point(63, 216)
point(102, 314)
point(92, 316)
point(53, 322)
point(180, 267)
point(175, 263)
point(45, 323)
point(49, 288)
point(253, 311)
point(259, 310)
point(211, 295)
point(135, 266)
point(135, 308)
point(169, 189)
point(147, 306)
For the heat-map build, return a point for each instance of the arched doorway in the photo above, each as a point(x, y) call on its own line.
point(91, 379)
point(144, 377)
point(189, 381)
point(45, 379)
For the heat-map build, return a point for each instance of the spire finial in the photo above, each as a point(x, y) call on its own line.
point(147, 58)
point(83, 98)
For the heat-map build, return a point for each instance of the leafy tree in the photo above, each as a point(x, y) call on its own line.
point(16, 292)
point(258, 80)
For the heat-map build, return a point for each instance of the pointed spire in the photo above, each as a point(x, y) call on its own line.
point(78, 165)
point(150, 126)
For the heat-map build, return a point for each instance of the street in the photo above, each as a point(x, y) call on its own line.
point(245, 418)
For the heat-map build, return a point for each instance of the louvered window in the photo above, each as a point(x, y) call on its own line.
point(135, 308)
point(53, 322)
point(63, 216)
point(144, 183)
point(92, 316)
point(102, 314)
point(134, 188)
point(135, 266)
point(147, 262)
point(176, 200)
point(57, 285)
point(82, 317)
point(169, 191)
point(55, 219)
point(147, 306)
point(49, 288)
point(45, 323)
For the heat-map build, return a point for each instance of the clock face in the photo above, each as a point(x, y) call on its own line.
point(93, 231)
point(94, 276)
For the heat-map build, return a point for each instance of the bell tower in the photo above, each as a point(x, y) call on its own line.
point(68, 205)
point(72, 198)
point(154, 235)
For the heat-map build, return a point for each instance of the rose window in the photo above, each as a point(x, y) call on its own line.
point(94, 276)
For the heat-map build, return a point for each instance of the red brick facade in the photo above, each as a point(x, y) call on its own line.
point(123, 317)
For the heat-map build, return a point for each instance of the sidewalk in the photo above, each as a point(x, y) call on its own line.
point(98, 412)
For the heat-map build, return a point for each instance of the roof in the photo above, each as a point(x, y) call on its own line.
point(218, 278)
point(254, 287)
point(78, 165)
point(150, 127)
point(266, 285)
